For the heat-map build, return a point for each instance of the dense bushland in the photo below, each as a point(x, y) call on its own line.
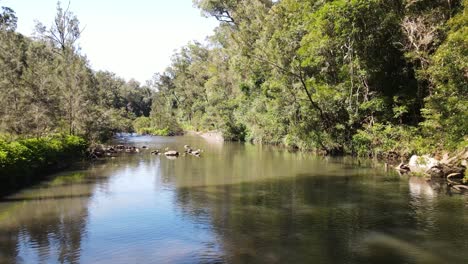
point(366, 77)
point(369, 77)
point(48, 87)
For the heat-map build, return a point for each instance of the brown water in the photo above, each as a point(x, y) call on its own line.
point(236, 204)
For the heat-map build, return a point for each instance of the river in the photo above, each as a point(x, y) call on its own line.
point(237, 203)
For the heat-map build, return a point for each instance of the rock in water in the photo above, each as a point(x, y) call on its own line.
point(171, 153)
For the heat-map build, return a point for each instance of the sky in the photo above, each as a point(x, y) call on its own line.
point(134, 39)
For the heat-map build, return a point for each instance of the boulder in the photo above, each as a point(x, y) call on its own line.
point(421, 164)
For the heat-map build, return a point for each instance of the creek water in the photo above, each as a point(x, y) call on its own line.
point(237, 203)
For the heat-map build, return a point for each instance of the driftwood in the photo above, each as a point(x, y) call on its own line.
point(459, 187)
point(457, 158)
point(449, 180)
point(456, 185)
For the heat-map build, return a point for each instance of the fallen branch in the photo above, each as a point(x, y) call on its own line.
point(459, 187)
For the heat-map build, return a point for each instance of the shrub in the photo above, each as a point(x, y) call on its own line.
point(148, 126)
point(31, 156)
point(380, 139)
point(154, 131)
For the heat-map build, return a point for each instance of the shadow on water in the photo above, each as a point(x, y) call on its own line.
point(42, 198)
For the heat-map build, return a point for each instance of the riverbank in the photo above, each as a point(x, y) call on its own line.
point(24, 161)
point(450, 166)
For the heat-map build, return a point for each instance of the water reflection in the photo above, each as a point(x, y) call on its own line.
point(44, 227)
point(237, 204)
point(322, 219)
point(47, 223)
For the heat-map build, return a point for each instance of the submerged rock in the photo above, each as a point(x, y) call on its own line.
point(196, 152)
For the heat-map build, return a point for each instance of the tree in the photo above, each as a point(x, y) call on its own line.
point(221, 9)
point(65, 31)
point(73, 71)
point(8, 19)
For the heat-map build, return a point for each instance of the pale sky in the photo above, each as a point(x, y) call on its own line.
point(134, 39)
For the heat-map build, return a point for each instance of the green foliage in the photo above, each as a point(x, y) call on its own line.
point(446, 107)
point(363, 77)
point(34, 155)
point(155, 132)
point(141, 122)
point(150, 126)
point(380, 139)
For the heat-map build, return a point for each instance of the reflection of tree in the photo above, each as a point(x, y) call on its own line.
point(53, 226)
point(48, 223)
point(319, 219)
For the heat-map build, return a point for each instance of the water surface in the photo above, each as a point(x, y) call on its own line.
point(236, 204)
